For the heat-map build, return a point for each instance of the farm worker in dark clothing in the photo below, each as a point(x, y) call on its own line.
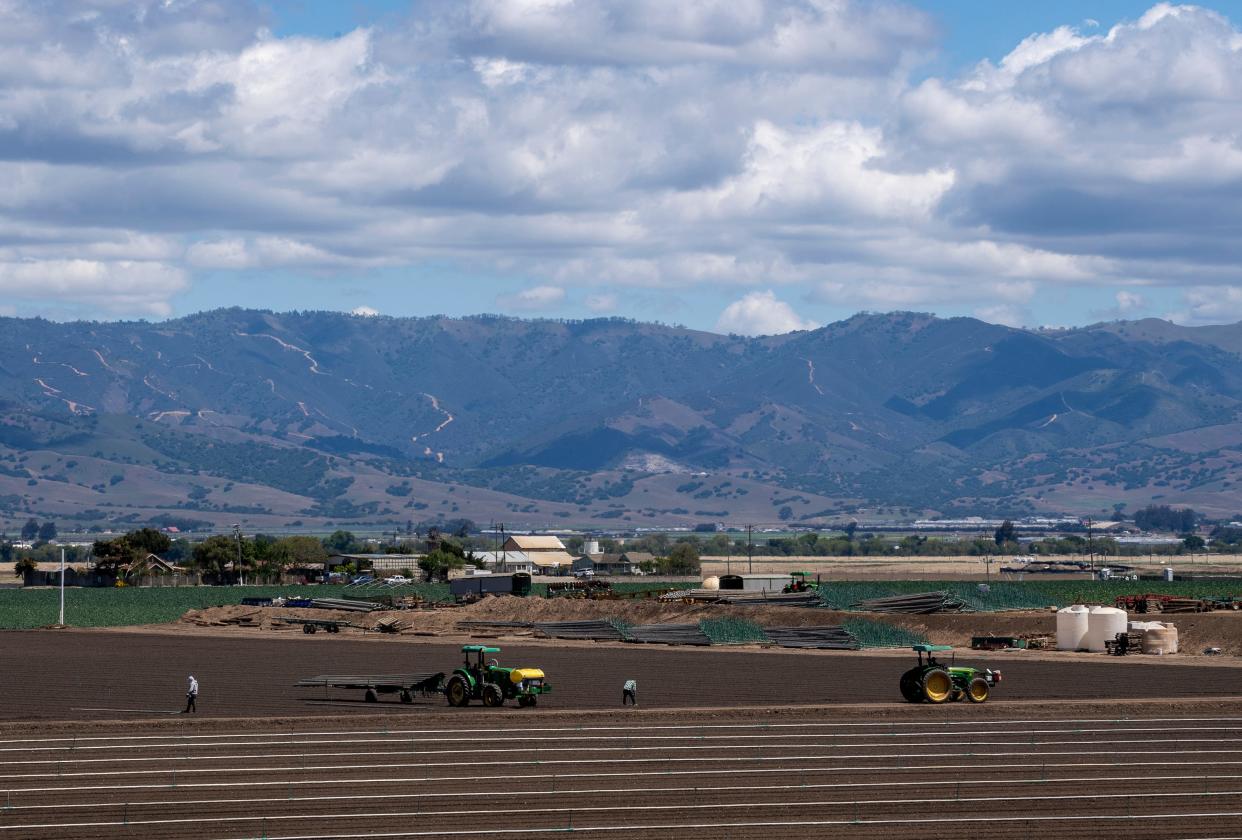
point(629, 692)
point(191, 695)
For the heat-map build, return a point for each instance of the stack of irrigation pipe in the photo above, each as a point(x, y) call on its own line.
point(821, 638)
point(922, 603)
point(745, 599)
point(343, 604)
point(598, 630)
point(668, 634)
point(769, 599)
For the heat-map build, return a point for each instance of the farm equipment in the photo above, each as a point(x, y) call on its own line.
point(801, 582)
point(1152, 602)
point(492, 684)
point(406, 685)
point(310, 626)
point(934, 682)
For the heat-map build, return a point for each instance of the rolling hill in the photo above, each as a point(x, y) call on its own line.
point(316, 418)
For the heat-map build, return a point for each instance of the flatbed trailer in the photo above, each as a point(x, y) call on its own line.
point(314, 625)
point(405, 685)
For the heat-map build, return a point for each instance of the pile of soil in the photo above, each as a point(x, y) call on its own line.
point(1196, 631)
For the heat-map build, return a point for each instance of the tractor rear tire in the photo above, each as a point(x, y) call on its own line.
point(937, 685)
point(457, 692)
point(978, 690)
point(911, 688)
point(371, 696)
point(493, 696)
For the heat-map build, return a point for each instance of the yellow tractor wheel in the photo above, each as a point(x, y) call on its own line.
point(937, 685)
point(978, 690)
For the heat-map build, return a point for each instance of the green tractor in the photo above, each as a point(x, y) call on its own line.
point(934, 682)
point(488, 682)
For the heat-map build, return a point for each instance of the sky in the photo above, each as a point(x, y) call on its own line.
point(732, 165)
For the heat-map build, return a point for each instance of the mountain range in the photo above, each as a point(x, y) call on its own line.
point(321, 419)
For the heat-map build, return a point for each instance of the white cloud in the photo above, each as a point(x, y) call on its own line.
point(571, 143)
point(1210, 305)
point(1002, 313)
point(116, 287)
point(364, 312)
point(536, 299)
point(760, 313)
point(602, 303)
point(1129, 303)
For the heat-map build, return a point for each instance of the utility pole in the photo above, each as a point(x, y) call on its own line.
point(62, 587)
point(240, 576)
point(1090, 546)
point(750, 551)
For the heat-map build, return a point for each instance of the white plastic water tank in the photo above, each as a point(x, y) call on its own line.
point(1168, 573)
point(712, 582)
point(1072, 627)
point(1104, 623)
point(590, 547)
point(1143, 626)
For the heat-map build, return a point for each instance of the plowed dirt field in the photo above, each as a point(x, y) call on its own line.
point(726, 744)
point(97, 675)
point(651, 776)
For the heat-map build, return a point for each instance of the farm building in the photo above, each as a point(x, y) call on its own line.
point(546, 553)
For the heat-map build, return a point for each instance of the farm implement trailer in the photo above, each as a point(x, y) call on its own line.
point(1152, 602)
point(934, 682)
point(405, 685)
point(310, 626)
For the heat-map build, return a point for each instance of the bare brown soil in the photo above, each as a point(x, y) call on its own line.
point(946, 772)
point(70, 674)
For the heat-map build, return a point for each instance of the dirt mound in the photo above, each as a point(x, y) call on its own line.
point(1196, 631)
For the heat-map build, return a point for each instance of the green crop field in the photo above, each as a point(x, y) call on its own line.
point(28, 608)
point(22, 609)
point(1028, 594)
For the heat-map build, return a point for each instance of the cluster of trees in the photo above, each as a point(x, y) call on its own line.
point(1165, 518)
point(262, 555)
point(36, 531)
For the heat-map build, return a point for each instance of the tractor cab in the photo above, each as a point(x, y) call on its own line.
point(479, 652)
point(930, 652)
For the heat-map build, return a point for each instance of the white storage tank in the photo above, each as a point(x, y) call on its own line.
point(712, 583)
point(1103, 624)
point(1160, 640)
point(1072, 627)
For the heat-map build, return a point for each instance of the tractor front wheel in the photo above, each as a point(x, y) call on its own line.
point(457, 693)
point(493, 696)
point(978, 690)
point(937, 685)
